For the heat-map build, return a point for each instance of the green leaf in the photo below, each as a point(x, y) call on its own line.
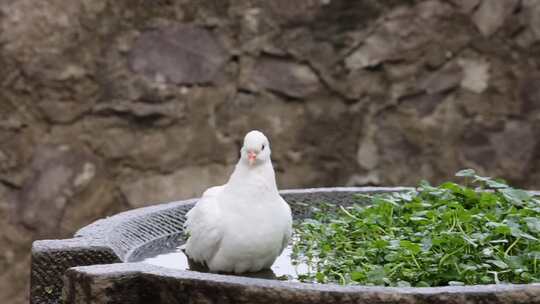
point(498, 263)
point(533, 223)
point(515, 196)
point(391, 257)
point(499, 228)
point(427, 243)
point(466, 173)
point(320, 277)
point(414, 248)
point(357, 276)
point(403, 284)
point(452, 186)
point(495, 184)
point(376, 275)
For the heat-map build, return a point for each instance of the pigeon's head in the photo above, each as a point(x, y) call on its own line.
point(256, 148)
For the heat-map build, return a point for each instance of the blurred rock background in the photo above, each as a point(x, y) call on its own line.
point(107, 105)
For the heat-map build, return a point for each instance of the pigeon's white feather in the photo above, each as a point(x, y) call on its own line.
point(245, 224)
point(202, 224)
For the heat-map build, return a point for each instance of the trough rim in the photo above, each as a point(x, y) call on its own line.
point(144, 269)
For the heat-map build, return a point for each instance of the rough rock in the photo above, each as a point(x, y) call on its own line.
point(58, 174)
point(368, 153)
point(372, 178)
point(467, 6)
point(443, 80)
point(375, 50)
point(532, 9)
point(63, 112)
point(477, 151)
point(530, 93)
point(183, 54)
point(515, 134)
point(294, 10)
point(160, 113)
point(476, 75)
point(491, 15)
point(362, 83)
point(530, 21)
point(393, 39)
point(182, 184)
point(282, 76)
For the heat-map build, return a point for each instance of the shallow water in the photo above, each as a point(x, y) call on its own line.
point(282, 269)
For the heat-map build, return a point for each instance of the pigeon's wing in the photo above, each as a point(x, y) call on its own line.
point(288, 230)
point(202, 225)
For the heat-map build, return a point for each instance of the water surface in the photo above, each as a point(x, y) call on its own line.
point(282, 269)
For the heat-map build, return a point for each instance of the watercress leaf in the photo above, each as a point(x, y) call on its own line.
point(466, 173)
point(486, 279)
point(391, 257)
point(493, 184)
point(499, 228)
point(376, 275)
point(527, 236)
point(405, 196)
point(414, 248)
point(488, 199)
point(503, 241)
point(533, 223)
point(320, 277)
point(393, 244)
point(515, 196)
point(380, 243)
point(403, 284)
point(480, 236)
point(424, 184)
point(358, 276)
point(452, 186)
point(467, 267)
point(426, 244)
point(515, 262)
point(498, 263)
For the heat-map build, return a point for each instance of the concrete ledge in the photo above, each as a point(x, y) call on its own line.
point(139, 283)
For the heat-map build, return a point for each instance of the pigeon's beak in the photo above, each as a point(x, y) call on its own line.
point(252, 156)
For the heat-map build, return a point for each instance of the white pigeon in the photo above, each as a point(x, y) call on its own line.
point(244, 225)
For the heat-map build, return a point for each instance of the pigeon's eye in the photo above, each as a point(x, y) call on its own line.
point(262, 147)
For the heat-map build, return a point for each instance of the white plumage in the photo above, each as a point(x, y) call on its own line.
point(243, 225)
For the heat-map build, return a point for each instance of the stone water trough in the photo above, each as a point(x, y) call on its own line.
point(99, 265)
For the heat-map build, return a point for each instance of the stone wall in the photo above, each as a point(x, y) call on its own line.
point(107, 105)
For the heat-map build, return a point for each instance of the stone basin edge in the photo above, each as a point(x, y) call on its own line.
point(110, 283)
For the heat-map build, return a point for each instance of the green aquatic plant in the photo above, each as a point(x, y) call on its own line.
point(480, 233)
